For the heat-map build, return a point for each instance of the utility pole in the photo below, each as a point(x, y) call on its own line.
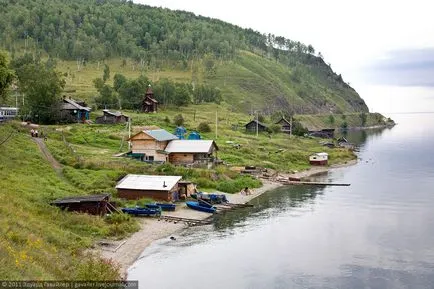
point(216, 126)
point(129, 133)
point(290, 127)
point(257, 124)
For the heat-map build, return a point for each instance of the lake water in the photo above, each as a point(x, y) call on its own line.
point(377, 233)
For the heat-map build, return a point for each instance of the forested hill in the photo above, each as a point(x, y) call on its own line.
point(250, 68)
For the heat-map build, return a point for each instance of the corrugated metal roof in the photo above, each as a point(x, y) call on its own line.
point(81, 199)
point(160, 134)
point(189, 146)
point(147, 182)
point(70, 104)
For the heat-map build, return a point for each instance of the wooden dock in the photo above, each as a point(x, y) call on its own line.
point(190, 222)
point(315, 183)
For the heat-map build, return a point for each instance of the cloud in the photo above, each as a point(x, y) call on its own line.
point(407, 67)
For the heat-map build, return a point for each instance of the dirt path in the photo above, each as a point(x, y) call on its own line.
point(43, 148)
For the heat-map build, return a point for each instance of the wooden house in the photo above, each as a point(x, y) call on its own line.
point(92, 204)
point(74, 111)
point(149, 145)
point(149, 103)
point(254, 124)
point(109, 117)
point(184, 152)
point(285, 126)
point(134, 187)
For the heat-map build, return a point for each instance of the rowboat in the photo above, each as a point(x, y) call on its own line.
point(211, 198)
point(199, 207)
point(162, 206)
point(142, 211)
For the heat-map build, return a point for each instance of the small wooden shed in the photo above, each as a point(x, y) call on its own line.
point(285, 125)
point(109, 117)
point(91, 204)
point(134, 187)
point(73, 110)
point(254, 124)
point(149, 104)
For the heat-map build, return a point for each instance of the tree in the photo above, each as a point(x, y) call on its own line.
point(182, 95)
point(310, 49)
point(363, 118)
point(178, 120)
point(331, 119)
point(119, 80)
point(106, 75)
point(203, 127)
point(7, 75)
point(42, 87)
point(107, 97)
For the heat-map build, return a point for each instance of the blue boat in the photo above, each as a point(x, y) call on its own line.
point(210, 198)
point(198, 207)
point(167, 207)
point(162, 206)
point(142, 212)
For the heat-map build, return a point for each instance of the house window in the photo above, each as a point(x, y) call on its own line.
point(150, 158)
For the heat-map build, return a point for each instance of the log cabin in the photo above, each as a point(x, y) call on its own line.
point(184, 152)
point(150, 145)
point(109, 117)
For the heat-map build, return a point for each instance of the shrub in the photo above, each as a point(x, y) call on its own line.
point(178, 120)
point(275, 128)
point(234, 186)
point(204, 127)
point(344, 125)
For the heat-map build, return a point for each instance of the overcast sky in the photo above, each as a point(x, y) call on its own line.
point(378, 46)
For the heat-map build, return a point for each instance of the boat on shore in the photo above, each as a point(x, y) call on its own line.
point(210, 198)
point(200, 207)
point(148, 212)
point(162, 206)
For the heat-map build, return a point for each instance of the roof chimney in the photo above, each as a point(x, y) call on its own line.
point(164, 184)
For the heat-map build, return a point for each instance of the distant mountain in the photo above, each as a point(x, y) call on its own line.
point(253, 70)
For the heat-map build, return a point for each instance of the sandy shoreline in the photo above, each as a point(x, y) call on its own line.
point(125, 252)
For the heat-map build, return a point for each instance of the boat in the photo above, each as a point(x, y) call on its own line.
point(319, 159)
point(167, 207)
point(199, 207)
point(137, 211)
point(162, 206)
point(210, 198)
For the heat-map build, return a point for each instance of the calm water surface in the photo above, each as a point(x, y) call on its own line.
point(377, 233)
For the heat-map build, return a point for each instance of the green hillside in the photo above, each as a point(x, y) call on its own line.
point(252, 70)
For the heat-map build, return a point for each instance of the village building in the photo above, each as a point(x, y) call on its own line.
point(319, 159)
point(149, 103)
point(149, 145)
point(109, 117)
point(134, 187)
point(74, 111)
point(92, 204)
point(285, 125)
point(184, 152)
point(254, 125)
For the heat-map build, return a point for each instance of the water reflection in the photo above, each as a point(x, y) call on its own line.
point(270, 204)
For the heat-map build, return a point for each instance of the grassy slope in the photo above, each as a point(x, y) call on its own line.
point(38, 241)
point(247, 82)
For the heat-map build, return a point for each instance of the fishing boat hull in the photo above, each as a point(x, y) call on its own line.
point(148, 212)
point(211, 198)
point(198, 207)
